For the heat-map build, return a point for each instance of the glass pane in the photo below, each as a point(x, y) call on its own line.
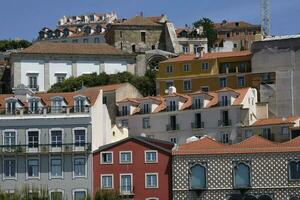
point(79, 195)
point(198, 177)
point(242, 175)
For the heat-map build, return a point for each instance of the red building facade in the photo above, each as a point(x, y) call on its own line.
point(137, 167)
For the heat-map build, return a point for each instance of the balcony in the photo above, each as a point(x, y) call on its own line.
point(170, 127)
point(197, 125)
point(126, 191)
point(45, 148)
point(222, 123)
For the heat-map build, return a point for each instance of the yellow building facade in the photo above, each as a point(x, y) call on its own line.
point(208, 72)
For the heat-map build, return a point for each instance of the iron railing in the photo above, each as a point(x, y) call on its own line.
point(196, 125)
point(170, 127)
point(224, 122)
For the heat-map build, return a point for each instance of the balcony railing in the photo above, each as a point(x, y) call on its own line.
point(45, 110)
point(196, 125)
point(46, 148)
point(126, 190)
point(170, 127)
point(224, 122)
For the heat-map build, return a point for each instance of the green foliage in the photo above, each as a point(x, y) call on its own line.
point(208, 30)
point(107, 195)
point(13, 44)
point(145, 84)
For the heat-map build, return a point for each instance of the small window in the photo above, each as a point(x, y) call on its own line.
point(223, 82)
point(205, 66)
point(197, 103)
point(285, 130)
point(187, 85)
point(225, 138)
point(10, 138)
point(241, 175)
point(224, 101)
point(33, 106)
point(104, 100)
point(248, 133)
point(143, 37)
point(56, 105)
point(205, 89)
point(169, 69)
point(106, 158)
point(145, 108)
point(235, 45)
point(106, 181)
point(124, 123)
point(96, 40)
point(241, 81)
point(228, 35)
point(11, 105)
point(172, 106)
point(185, 49)
point(294, 170)
point(186, 67)
point(56, 195)
point(125, 157)
point(133, 48)
point(79, 167)
point(169, 84)
point(80, 195)
point(146, 123)
point(79, 104)
point(33, 139)
point(151, 180)
point(79, 137)
point(151, 156)
point(60, 78)
point(85, 40)
point(33, 81)
point(56, 138)
point(173, 140)
point(125, 110)
point(121, 34)
point(198, 176)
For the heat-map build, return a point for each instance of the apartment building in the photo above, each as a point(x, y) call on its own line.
point(254, 169)
point(205, 71)
point(240, 33)
point(44, 64)
point(176, 117)
point(137, 167)
point(47, 140)
point(279, 129)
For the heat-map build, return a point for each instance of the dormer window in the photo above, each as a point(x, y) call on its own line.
point(125, 110)
point(146, 108)
point(33, 106)
point(11, 105)
point(224, 101)
point(197, 103)
point(79, 103)
point(56, 105)
point(172, 106)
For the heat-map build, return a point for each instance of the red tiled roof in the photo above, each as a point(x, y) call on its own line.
point(139, 21)
point(254, 144)
point(232, 25)
point(275, 121)
point(207, 56)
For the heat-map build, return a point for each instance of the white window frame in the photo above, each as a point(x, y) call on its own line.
point(186, 67)
point(169, 67)
point(16, 170)
point(112, 157)
point(56, 190)
point(73, 132)
point(85, 166)
point(50, 167)
point(151, 151)
point(9, 130)
point(120, 161)
point(157, 180)
point(131, 180)
point(30, 158)
point(112, 181)
point(205, 66)
point(27, 141)
point(152, 198)
point(190, 81)
point(78, 190)
point(56, 149)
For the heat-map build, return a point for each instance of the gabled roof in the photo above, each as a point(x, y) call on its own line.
point(276, 121)
point(156, 144)
point(233, 25)
point(140, 21)
point(252, 145)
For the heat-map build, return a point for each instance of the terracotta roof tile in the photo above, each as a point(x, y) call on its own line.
point(232, 25)
point(139, 21)
point(275, 121)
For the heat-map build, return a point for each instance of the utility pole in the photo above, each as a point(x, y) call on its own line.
point(265, 17)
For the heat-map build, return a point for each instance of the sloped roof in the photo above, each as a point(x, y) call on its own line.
point(207, 56)
point(233, 25)
point(276, 121)
point(71, 49)
point(252, 145)
point(140, 21)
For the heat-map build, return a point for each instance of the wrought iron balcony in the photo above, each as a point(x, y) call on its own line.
point(224, 122)
point(196, 125)
point(170, 127)
point(45, 148)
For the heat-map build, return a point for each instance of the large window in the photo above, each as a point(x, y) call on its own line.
point(198, 176)
point(187, 85)
point(146, 108)
point(9, 168)
point(33, 81)
point(10, 138)
point(79, 138)
point(241, 175)
point(33, 168)
point(151, 156)
point(79, 167)
point(294, 170)
point(80, 195)
point(151, 180)
point(126, 183)
point(56, 167)
point(172, 106)
point(198, 103)
point(33, 106)
point(224, 101)
point(107, 181)
point(56, 106)
point(56, 138)
point(79, 104)
point(125, 110)
point(33, 139)
point(11, 106)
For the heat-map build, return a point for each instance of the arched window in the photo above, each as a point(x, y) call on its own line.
point(264, 197)
point(294, 170)
point(241, 175)
point(198, 177)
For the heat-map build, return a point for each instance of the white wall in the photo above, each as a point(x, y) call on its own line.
point(114, 67)
point(63, 67)
point(87, 68)
point(36, 67)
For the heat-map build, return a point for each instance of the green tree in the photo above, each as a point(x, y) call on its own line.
point(208, 30)
point(13, 44)
point(107, 195)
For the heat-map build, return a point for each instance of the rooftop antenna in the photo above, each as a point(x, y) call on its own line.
point(265, 17)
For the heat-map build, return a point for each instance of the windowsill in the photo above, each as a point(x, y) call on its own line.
point(103, 163)
point(154, 187)
point(10, 178)
point(75, 177)
point(151, 162)
point(33, 178)
point(125, 163)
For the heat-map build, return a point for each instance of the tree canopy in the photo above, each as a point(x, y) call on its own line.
point(145, 84)
point(13, 44)
point(208, 30)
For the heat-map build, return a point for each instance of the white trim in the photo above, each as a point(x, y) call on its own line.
point(73, 164)
point(131, 161)
point(62, 167)
point(56, 190)
point(152, 198)
point(16, 167)
point(190, 84)
point(120, 180)
point(34, 150)
point(112, 157)
point(112, 182)
point(78, 190)
point(26, 167)
point(145, 156)
point(85, 138)
point(10, 130)
point(57, 149)
point(157, 180)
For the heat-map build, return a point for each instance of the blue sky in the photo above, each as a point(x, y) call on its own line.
point(24, 18)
